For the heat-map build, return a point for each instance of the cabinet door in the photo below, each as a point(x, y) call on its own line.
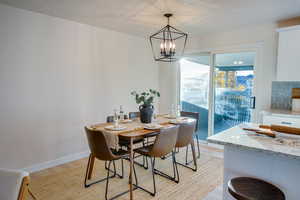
point(283, 121)
point(288, 56)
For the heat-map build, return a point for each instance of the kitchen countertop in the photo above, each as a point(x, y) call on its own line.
point(240, 138)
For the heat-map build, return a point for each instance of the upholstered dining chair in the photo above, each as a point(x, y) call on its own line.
point(195, 116)
point(101, 151)
point(14, 185)
point(132, 115)
point(164, 144)
point(184, 139)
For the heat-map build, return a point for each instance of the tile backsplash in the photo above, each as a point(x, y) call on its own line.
point(282, 93)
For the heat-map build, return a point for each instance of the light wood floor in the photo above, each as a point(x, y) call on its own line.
point(65, 182)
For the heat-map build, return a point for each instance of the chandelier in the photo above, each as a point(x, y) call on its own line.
point(168, 44)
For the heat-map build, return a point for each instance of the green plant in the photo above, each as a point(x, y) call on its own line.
point(145, 98)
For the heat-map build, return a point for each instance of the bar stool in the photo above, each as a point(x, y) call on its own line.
point(246, 188)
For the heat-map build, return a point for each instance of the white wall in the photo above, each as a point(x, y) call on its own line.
point(263, 37)
point(168, 85)
point(56, 76)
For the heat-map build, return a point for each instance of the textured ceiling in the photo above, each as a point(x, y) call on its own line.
point(143, 17)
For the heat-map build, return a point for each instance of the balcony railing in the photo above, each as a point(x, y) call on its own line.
point(230, 110)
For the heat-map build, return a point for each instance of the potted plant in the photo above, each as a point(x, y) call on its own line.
point(145, 102)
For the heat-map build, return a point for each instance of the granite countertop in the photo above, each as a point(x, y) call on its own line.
point(240, 138)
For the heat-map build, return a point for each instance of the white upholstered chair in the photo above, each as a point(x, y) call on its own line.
point(14, 184)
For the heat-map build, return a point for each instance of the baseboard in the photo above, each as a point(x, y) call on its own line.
point(56, 162)
point(218, 146)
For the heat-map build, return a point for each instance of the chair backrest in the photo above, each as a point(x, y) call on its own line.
point(98, 145)
point(12, 184)
point(185, 134)
point(164, 142)
point(194, 115)
point(134, 115)
point(110, 119)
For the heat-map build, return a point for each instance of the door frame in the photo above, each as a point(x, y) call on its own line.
point(257, 48)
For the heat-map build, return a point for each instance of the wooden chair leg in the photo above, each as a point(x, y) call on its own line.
point(24, 190)
point(31, 194)
point(91, 167)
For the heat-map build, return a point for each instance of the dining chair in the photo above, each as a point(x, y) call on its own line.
point(100, 150)
point(184, 139)
point(125, 142)
point(195, 116)
point(164, 144)
point(132, 115)
point(14, 185)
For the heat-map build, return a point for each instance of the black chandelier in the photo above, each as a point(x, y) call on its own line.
point(168, 44)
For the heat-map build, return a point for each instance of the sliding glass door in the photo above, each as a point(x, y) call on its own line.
point(220, 88)
point(233, 89)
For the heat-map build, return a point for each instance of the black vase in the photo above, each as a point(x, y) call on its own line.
point(146, 113)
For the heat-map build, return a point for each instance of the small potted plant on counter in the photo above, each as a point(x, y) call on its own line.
point(145, 102)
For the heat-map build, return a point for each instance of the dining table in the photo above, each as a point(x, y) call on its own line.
point(133, 128)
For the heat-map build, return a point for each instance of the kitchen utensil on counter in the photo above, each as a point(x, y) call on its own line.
point(267, 133)
point(261, 132)
point(296, 93)
point(285, 129)
point(265, 126)
point(275, 130)
point(261, 129)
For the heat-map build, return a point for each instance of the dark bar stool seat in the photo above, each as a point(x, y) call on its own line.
point(246, 188)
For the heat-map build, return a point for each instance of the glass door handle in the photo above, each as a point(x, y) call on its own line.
point(252, 102)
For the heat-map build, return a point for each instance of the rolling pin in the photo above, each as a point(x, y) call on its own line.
point(267, 133)
point(262, 132)
point(286, 129)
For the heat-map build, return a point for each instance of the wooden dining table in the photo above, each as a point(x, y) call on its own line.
point(135, 129)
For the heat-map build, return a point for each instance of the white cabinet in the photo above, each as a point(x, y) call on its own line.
point(280, 117)
point(288, 63)
point(281, 120)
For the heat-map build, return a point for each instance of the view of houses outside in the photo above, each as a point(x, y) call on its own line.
point(233, 90)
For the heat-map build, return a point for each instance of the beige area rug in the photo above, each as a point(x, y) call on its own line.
point(65, 182)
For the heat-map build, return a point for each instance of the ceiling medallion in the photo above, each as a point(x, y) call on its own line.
point(168, 44)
